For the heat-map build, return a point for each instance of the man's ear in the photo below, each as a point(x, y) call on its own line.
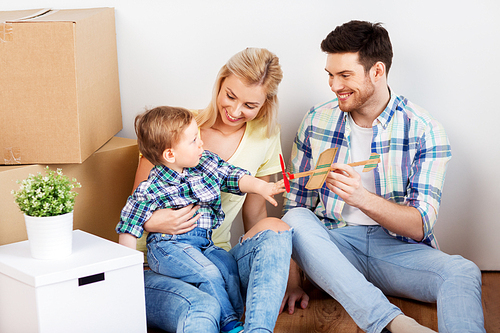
point(378, 71)
point(169, 155)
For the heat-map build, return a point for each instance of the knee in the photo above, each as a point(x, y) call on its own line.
point(201, 315)
point(211, 274)
point(208, 305)
point(269, 223)
point(274, 224)
point(297, 216)
point(464, 269)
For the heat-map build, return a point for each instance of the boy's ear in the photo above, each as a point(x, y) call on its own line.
point(168, 155)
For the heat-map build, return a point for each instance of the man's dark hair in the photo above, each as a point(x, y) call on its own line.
point(370, 40)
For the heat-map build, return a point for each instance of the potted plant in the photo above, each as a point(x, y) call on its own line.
point(47, 202)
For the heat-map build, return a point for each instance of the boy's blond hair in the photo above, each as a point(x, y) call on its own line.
point(159, 129)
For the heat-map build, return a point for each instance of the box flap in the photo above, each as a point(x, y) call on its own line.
point(65, 15)
point(18, 15)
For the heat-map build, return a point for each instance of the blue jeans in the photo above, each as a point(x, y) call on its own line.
point(193, 258)
point(263, 264)
point(355, 264)
point(176, 306)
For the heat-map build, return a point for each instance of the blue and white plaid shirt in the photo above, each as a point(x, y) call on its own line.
point(166, 188)
point(414, 152)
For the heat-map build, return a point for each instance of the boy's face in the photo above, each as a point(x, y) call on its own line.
point(189, 148)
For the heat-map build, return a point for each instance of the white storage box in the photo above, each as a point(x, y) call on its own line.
point(99, 288)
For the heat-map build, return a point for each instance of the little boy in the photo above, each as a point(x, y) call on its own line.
point(185, 174)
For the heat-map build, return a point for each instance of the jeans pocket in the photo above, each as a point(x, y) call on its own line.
point(153, 262)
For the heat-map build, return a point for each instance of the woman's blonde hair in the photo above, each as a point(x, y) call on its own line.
point(253, 66)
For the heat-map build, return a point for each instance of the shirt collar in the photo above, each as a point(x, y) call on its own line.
point(385, 117)
point(166, 174)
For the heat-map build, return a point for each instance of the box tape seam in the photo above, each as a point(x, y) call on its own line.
point(12, 155)
point(6, 32)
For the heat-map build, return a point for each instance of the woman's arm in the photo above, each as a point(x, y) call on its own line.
point(142, 172)
point(254, 208)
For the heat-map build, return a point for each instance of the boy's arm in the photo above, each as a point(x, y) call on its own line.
point(128, 240)
point(250, 184)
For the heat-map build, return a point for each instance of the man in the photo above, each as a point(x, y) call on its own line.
point(366, 234)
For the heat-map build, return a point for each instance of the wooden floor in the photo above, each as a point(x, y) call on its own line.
point(325, 315)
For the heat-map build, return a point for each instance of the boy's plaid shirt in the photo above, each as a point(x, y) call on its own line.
point(166, 188)
point(414, 152)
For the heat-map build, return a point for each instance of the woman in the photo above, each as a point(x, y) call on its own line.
point(240, 125)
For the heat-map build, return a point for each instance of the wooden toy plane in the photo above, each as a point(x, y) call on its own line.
point(323, 167)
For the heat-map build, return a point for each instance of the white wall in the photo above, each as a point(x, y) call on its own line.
point(446, 60)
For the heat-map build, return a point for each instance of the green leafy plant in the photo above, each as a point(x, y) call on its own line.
point(48, 195)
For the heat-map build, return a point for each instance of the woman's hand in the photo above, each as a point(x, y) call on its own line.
point(294, 292)
point(293, 295)
point(173, 221)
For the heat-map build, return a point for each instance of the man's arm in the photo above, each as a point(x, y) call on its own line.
point(400, 219)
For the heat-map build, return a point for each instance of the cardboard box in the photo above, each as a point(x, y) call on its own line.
point(99, 288)
point(59, 91)
point(107, 178)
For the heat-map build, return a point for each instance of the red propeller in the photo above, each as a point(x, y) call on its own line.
point(285, 178)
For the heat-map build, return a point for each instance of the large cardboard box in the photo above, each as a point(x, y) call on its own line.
point(99, 288)
point(59, 91)
point(107, 178)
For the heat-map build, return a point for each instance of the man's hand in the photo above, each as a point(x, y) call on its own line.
point(399, 218)
point(346, 183)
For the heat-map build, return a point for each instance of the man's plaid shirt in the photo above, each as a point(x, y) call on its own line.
point(166, 188)
point(414, 153)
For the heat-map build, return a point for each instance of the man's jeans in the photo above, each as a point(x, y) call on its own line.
point(192, 257)
point(355, 264)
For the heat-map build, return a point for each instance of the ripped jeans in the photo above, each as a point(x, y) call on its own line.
point(263, 264)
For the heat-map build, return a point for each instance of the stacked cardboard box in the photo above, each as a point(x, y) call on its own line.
point(60, 106)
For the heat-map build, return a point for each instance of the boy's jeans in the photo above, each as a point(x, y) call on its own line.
point(193, 258)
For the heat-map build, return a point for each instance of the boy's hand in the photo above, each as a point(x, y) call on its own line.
point(272, 189)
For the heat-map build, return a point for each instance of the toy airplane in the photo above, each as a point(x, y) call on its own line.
point(323, 166)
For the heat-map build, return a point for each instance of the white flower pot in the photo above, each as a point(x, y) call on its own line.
point(50, 237)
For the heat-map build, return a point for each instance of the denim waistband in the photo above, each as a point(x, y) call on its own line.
point(196, 232)
point(200, 232)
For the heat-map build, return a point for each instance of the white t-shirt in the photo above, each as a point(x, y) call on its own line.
point(360, 150)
